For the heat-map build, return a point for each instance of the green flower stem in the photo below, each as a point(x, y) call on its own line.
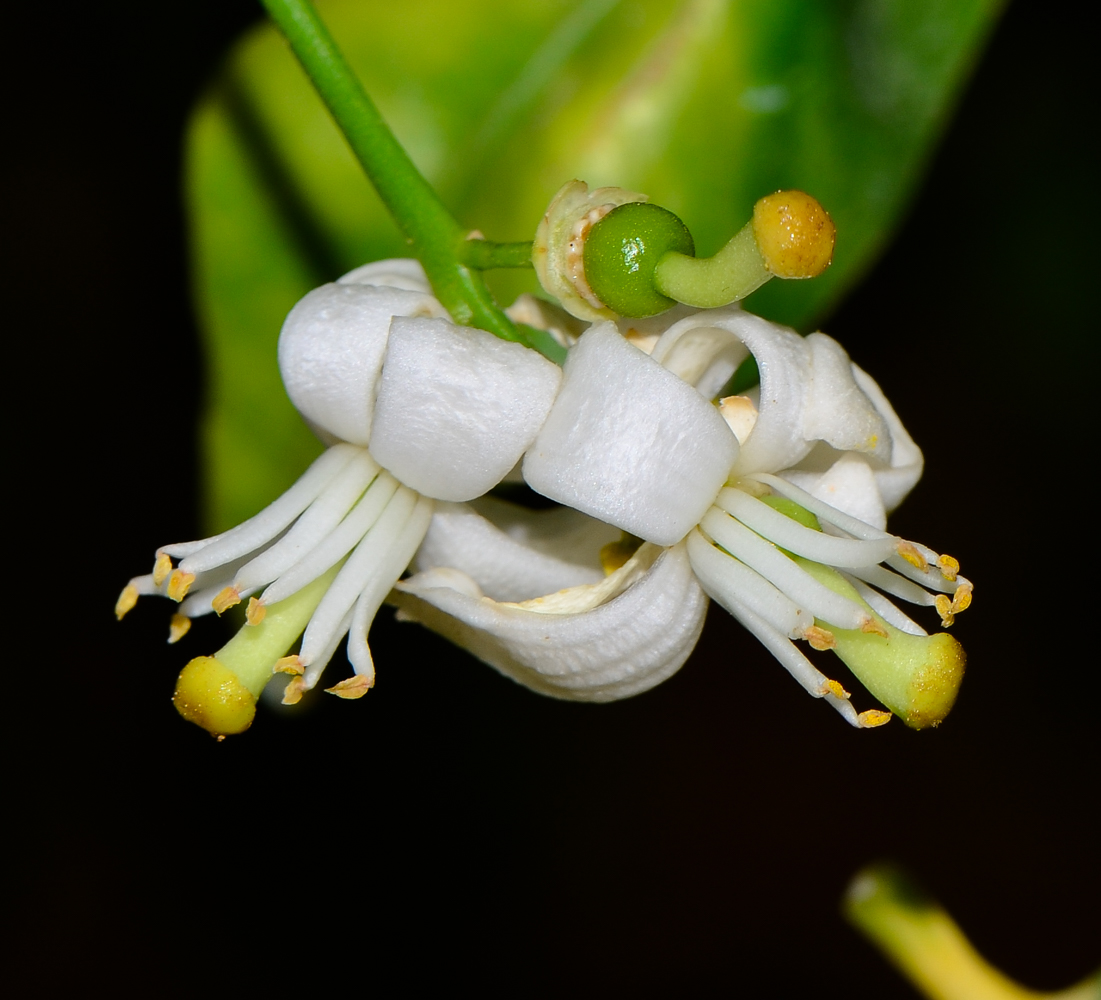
point(928, 946)
point(436, 238)
point(709, 282)
point(484, 255)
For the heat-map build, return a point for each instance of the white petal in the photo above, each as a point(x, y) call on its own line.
point(505, 559)
point(837, 410)
point(849, 485)
point(707, 347)
point(629, 442)
point(399, 272)
point(457, 407)
point(620, 648)
point(331, 349)
point(907, 461)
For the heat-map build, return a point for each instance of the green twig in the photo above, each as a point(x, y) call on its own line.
point(435, 237)
point(484, 255)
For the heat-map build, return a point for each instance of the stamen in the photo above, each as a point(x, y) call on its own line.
point(949, 567)
point(873, 718)
point(740, 415)
point(178, 627)
point(273, 519)
point(353, 578)
point(795, 537)
point(822, 510)
point(728, 580)
point(871, 627)
point(292, 693)
point(288, 665)
point(127, 599)
point(813, 681)
point(322, 516)
point(909, 551)
point(179, 583)
point(885, 609)
point(339, 542)
point(388, 567)
point(787, 576)
point(834, 687)
point(944, 609)
point(227, 597)
point(161, 568)
point(255, 612)
point(893, 584)
point(351, 687)
point(820, 639)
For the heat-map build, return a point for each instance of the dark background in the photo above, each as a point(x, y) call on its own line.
point(453, 826)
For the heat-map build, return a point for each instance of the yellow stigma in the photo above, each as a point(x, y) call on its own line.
point(178, 628)
point(127, 599)
point(794, 234)
point(209, 694)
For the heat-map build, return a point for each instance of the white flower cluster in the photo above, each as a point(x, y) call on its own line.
point(668, 496)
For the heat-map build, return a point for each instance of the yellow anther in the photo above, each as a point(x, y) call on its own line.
point(872, 627)
point(949, 567)
point(740, 415)
point(288, 665)
point(179, 583)
point(835, 688)
point(872, 718)
point(225, 599)
point(127, 599)
point(945, 609)
point(161, 568)
point(961, 600)
point(255, 612)
point(912, 554)
point(820, 638)
point(351, 687)
point(178, 628)
point(794, 234)
point(292, 693)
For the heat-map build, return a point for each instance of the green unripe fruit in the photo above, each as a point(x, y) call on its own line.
point(622, 250)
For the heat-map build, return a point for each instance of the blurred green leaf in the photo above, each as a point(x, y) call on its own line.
point(703, 104)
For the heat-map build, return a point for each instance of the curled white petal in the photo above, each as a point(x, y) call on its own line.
point(628, 644)
point(907, 461)
point(849, 485)
point(629, 442)
point(399, 272)
point(837, 410)
point(457, 407)
point(331, 349)
point(514, 554)
point(707, 347)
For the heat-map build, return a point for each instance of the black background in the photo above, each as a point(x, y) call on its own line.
point(453, 827)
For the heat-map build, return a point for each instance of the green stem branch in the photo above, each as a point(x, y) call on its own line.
point(436, 238)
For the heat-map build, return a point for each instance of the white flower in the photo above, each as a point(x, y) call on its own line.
point(635, 442)
point(416, 410)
